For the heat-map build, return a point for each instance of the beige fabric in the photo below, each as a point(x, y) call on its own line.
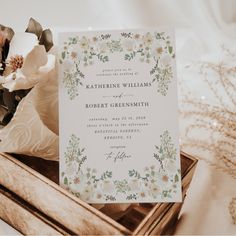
point(33, 130)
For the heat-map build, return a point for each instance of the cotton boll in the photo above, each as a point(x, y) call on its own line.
point(36, 66)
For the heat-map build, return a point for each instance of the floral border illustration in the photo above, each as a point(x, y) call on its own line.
point(158, 181)
point(155, 48)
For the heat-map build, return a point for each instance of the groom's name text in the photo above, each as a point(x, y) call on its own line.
point(117, 105)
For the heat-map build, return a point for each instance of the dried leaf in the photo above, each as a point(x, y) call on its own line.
point(9, 100)
point(1, 97)
point(34, 27)
point(21, 93)
point(7, 118)
point(5, 50)
point(9, 32)
point(46, 39)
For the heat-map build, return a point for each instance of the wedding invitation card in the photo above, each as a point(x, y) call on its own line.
point(119, 116)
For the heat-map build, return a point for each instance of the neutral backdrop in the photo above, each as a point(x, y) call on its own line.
point(201, 26)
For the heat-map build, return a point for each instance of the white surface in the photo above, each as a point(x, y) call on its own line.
point(202, 25)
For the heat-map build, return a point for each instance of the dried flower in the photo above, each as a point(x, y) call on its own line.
point(24, 62)
point(137, 36)
point(16, 62)
point(95, 39)
point(232, 209)
point(142, 194)
point(73, 55)
point(77, 180)
point(29, 70)
point(165, 178)
point(218, 120)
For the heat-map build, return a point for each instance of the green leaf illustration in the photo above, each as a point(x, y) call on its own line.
point(170, 49)
point(65, 181)
point(176, 178)
point(63, 55)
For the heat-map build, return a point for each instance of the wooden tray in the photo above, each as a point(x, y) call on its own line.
point(33, 203)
